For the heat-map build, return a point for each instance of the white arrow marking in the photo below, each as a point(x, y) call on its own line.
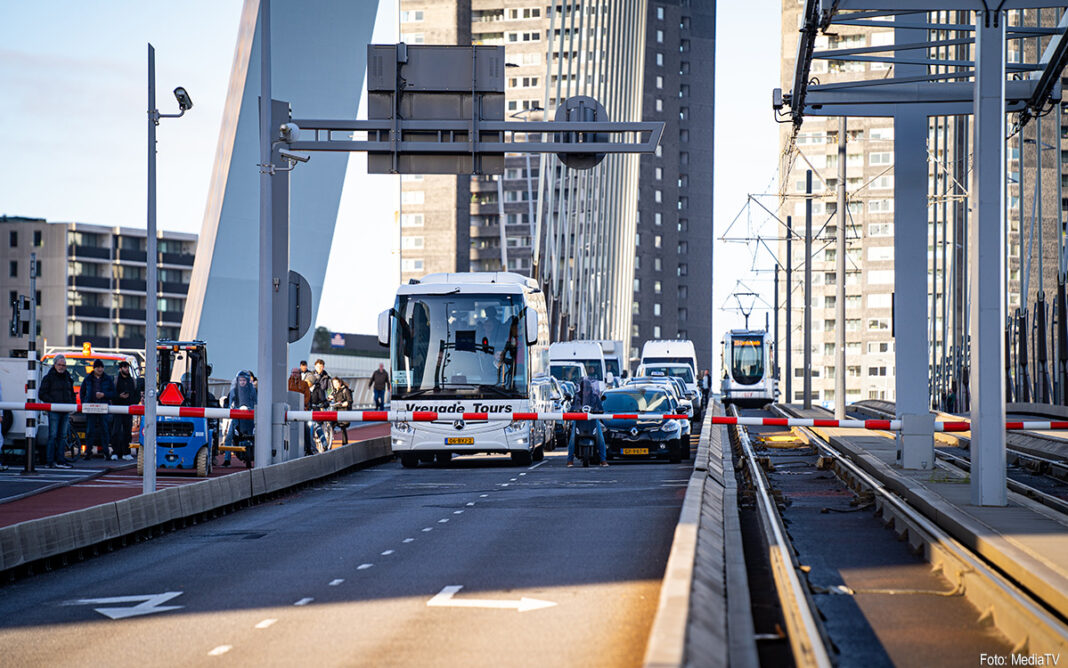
point(444, 599)
point(147, 604)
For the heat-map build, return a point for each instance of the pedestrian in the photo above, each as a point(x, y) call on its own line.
point(97, 388)
point(316, 439)
point(242, 395)
point(57, 387)
point(320, 400)
point(305, 373)
point(299, 386)
point(379, 382)
point(341, 400)
point(706, 388)
point(126, 394)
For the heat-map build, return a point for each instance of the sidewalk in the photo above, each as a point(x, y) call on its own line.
point(92, 482)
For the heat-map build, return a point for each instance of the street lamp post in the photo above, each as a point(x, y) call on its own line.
point(151, 280)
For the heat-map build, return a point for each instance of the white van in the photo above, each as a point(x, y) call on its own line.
point(586, 353)
point(674, 351)
point(613, 359)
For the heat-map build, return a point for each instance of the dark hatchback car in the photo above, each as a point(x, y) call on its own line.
point(642, 438)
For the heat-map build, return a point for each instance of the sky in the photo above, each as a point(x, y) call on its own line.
point(73, 84)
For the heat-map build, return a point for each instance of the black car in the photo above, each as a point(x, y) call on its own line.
point(642, 437)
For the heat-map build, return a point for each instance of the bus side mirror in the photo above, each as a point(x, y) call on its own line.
point(532, 326)
point(383, 327)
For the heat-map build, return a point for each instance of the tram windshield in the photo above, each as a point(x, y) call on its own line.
point(747, 359)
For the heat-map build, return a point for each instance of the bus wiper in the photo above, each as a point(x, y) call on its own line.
point(500, 391)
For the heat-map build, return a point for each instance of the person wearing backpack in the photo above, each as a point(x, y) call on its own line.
point(588, 399)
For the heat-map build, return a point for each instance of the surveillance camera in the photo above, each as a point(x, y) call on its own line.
point(289, 132)
point(185, 103)
point(777, 102)
point(293, 155)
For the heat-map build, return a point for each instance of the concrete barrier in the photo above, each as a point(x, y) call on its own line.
point(34, 540)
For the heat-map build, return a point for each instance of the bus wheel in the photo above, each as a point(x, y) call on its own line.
point(539, 453)
point(521, 457)
point(409, 461)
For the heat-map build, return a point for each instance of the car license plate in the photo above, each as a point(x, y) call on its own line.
point(460, 440)
point(635, 451)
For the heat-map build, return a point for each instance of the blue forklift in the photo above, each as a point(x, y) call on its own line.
point(184, 443)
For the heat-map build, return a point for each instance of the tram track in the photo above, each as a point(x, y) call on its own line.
point(843, 582)
point(1023, 617)
point(1024, 483)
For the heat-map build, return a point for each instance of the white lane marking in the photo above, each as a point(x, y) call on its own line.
point(407, 540)
point(334, 583)
point(266, 624)
point(512, 479)
point(522, 474)
point(428, 529)
point(148, 604)
point(531, 468)
point(444, 599)
point(304, 601)
point(443, 520)
point(482, 496)
point(387, 553)
point(504, 484)
point(220, 650)
point(470, 503)
point(457, 512)
point(363, 567)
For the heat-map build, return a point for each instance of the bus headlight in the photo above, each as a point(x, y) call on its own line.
point(515, 428)
point(403, 427)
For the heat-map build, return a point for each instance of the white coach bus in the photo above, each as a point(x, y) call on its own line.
point(465, 343)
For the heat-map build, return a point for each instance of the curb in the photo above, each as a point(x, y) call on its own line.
point(35, 540)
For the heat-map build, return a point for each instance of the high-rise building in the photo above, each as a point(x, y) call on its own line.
point(673, 262)
point(572, 228)
point(91, 282)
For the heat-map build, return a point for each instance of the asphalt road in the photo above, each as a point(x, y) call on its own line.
point(364, 570)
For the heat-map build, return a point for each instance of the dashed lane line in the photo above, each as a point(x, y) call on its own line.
point(443, 520)
point(387, 553)
point(457, 512)
point(220, 650)
point(427, 529)
point(304, 601)
point(364, 567)
point(470, 503)
point(407, 540)
point(482, 496)
point(266, 624)
point(334, 583)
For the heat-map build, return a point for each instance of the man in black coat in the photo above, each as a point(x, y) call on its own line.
point(97, 388)
point(126, 394)
point(57, 387)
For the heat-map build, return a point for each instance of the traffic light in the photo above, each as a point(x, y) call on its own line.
point(20, 316)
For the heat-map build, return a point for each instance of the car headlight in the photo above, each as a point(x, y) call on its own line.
point(670, 427)
point(403, 427)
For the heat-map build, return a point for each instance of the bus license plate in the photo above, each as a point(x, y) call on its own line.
point(635, 451)
point(460, 440)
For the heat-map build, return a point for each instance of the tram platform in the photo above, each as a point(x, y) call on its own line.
point(1025, 540)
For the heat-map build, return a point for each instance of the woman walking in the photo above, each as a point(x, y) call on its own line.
point(341, 400)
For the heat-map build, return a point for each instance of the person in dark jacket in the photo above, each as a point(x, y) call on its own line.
point(126, 394)
point(57, 387)
point(379, 383)
point(243, 394)
point(321, 388)
point(97, 388)
point(341, 400)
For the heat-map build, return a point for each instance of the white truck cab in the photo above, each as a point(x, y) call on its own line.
point(586, 353)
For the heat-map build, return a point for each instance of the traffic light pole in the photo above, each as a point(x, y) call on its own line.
point(31, 372)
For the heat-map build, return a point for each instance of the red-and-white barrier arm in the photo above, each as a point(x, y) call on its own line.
point(429, 416)
point(165, 411)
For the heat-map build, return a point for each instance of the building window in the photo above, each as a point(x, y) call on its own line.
point(659, 60)
point(656, 309)
point(637, 285)
point(14, 269)
point(659, 36)
point(412, 197)
point(634, 332)
point(659, 104)
point(659, 13)
point(658, 195)
point(684, 247)
point(878, 324)
point(656, 331)
point(853, 371)
point(656, 264)
point(683, 269)
point(658, 174)
point(412, 220)
point(409, 243)
point(657, 218)
point(682, 315)
point(38, 238)
point(14, 238)
point(411, 16)
point(656, 243)
point(656, 288)
point(877, 371)
point(659, 81)
point(681, 292)
point(412, 264)
point(635, 308)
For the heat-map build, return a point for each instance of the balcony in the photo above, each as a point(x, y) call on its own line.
point(171, 288)
point(130, 255)
point(134, 342)
point(132, 314)
point(132, 284)
point(91, 311)
point(485, 254)
point(487, 209)
point(99, 282)
point(97, 252)
point(171, 317)
point(181, 259)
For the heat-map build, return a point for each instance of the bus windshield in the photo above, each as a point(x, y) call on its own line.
point(747, 359)
point(460, 346)
point(611, 365)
